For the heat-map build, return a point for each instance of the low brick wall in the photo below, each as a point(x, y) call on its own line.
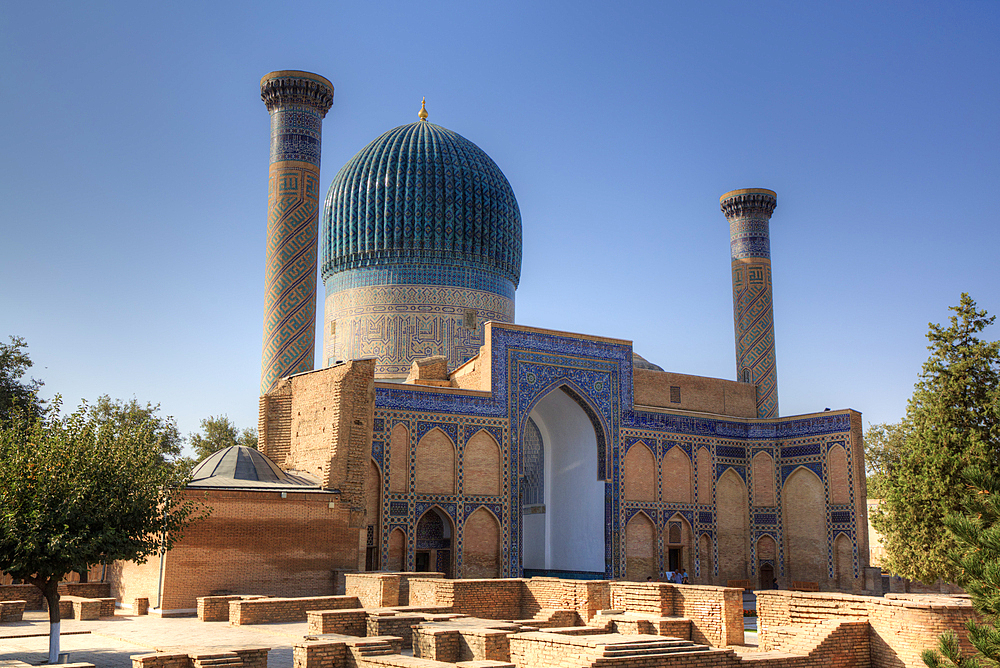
point(30, 594)
point(85, 589)
point(11, 611)
point(161, 661)
point(255, 657)
point(348, 622)
point(373, 590)
point(266, 610)
point(651, 598)
point(381, 589)
point(393, 625)
point(74, 607)
point(216, 608)
point(716, 613)
point(319, 654)
point(252, 657)
point(900, 626)
point(587, 597)
point(436, 644)
point(485, 598)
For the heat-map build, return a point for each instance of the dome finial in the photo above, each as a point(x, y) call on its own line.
point(422, 114)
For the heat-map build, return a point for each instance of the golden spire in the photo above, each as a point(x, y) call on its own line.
point(422, 114)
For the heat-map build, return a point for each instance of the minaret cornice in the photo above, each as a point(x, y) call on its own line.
point(293, 87)
point(748, 202)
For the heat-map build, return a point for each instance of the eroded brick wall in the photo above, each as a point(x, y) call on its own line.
point(901, 626)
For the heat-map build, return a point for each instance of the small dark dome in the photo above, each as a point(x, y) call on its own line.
point(640, 362)
point(421, 194)
point(240, 466)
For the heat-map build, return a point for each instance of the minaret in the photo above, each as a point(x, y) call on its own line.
point(297, 101)
point(749, 211)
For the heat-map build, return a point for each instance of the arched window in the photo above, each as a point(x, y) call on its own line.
point(534, 466)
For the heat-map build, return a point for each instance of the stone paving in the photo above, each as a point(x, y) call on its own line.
point(111, 641)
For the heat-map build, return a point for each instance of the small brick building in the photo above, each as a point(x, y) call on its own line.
point(269, 532)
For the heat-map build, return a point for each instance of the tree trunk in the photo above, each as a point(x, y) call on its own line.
point(50, 589)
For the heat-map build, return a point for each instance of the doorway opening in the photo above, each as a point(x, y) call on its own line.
point(564, 535)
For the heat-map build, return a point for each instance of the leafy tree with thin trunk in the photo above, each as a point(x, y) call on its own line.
point(953, 421)
point(17, 396)
point(977, 560)
point(88, 488)
point(884, 447)
point(220, 432)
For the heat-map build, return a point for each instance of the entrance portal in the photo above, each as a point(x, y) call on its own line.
point(565, 533)
point(433, 549)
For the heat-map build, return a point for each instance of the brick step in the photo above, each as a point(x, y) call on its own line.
point(366, 648)
point(646, 651)
point(233, 661)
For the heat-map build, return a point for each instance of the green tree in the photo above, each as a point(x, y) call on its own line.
point(953, 421)
point(85, 489)
point(219, 433)
point(977, 561)
point(17, 396)
point(884, 447)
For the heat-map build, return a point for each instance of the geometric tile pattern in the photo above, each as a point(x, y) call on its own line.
point(297, 102)
point(598, 374)
point(748, 212)
point(398, 324)
point(420, 232)
point(421, 194)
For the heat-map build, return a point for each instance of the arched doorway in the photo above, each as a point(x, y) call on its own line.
point(433, 549)
point(566, 531)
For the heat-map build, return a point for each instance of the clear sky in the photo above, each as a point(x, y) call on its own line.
point(134, 179)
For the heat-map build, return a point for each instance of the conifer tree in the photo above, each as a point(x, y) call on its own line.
point(977, 560)
point(953, 421)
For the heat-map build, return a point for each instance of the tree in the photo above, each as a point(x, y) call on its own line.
point(121, 415)
point(17, 397)
point(977, 561)
point(220, 432)
point(85, 489)
point(953, 421)
point(884, 446)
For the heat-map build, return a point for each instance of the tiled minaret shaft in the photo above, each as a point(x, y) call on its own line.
point(749, 212)
point(297, 102)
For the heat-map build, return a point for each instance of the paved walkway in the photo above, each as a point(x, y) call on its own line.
point(111, 642)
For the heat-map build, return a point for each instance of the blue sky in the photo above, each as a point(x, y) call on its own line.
point(134, 187)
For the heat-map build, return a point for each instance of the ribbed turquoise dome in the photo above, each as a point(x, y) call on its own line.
point(421, 195)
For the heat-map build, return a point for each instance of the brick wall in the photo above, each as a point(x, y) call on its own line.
point(374, 590)
point(716, 613)
point(319, 654)
point(901, 626)
point(216, 608)
point(350, 622)
point(130, 580)
point(488, 599)
point(266, 610)
point(231, 552)
point(274, 422)
point(85, 589)
point(30, 594)
point(698, 393)
point(11, 611)
point(584, 596)
point(651, 598)
point(161, 661)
